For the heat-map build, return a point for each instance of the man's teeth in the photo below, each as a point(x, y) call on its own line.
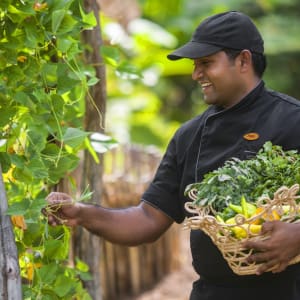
point(205, 84)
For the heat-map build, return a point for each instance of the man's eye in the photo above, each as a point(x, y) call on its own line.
point(199, 64)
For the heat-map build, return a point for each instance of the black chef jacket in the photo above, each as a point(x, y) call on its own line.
point(204, 144)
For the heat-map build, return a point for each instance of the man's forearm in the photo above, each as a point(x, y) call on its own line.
point(128, 226)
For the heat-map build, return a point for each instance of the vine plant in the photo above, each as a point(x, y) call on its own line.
point(43, 84)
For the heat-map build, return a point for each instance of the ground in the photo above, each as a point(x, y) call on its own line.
point(178, 284)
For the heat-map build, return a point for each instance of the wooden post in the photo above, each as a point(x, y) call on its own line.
point(10, 281)
point(87, 245)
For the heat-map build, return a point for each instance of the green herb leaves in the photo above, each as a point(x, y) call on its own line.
point(271, 168)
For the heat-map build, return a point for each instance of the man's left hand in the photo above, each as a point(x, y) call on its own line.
point(275, 252)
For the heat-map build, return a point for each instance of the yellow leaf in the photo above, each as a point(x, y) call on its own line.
point(19, 221)
point(21, 58)
point(30, 269)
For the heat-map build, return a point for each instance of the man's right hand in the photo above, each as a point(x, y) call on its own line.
point(61, 210)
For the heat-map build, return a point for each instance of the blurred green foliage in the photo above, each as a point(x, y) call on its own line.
point(163, 27)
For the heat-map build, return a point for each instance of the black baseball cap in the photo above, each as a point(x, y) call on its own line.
point(232, 30)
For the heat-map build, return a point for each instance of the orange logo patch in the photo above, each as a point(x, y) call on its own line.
point(251, 136)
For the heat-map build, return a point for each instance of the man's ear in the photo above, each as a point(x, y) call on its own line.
point(245, 60)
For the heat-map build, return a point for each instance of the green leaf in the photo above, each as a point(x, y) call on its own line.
point(58, 106)
point(81, 266)
point(73, 51)
point(63, 285)
point(3, 145)
point(91, 150)
point(67, 25)
point(5, 162)
point(51, 154)
point(37, 168)
point(24, 99)
point(89, 19)
point(57, 18)
point(17, 15)
point(64, 165)
point(66, 78)
point(40, 201)
point(224, 177)
point(18, 208)
point(92, 81)
point(48, 273)
point(48, 72)
point(74, 137)
point(268, 146)
point(7, 113)
point(33, 36)
point(102, 143)
point(126, 70)
point(55, 249)
point(111, 55)
point(85, 195)
point(23, 174)
point(37, 137)
point(33, 234)
point(48, 294)
point(65, 44)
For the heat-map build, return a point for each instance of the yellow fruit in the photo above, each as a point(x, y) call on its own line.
point(246, 230)
point(267, 216)
point(230, 221)
point(219, 219)
point(271, 216)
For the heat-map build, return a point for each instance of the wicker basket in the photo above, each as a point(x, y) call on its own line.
point(221, 233)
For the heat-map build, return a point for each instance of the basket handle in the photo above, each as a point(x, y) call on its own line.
point(189, 206)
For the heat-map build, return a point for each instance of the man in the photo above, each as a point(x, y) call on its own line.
point(228, 55)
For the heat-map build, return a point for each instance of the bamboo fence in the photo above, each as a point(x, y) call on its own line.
point(127, 271)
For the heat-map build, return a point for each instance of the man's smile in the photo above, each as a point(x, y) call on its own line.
point(205, 84)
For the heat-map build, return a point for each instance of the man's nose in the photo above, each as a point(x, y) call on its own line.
point(197, 73)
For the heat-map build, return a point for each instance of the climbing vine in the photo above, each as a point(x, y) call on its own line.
point(43, 85)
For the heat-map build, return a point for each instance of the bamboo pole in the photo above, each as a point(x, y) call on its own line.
point(87, 245)
point(10, 281)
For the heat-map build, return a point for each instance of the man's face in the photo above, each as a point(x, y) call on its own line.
point(220, 79)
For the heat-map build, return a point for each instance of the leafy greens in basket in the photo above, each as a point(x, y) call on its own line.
point(262, 175)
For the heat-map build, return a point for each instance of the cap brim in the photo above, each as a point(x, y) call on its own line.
point(193, 50)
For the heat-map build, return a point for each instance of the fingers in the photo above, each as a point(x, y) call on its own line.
point(280, 267)
point(261, 245)
point(260, 257)
point(53, 219)
point(56, 201)
point(267, 261)
point(256, 245)
point(273, 265)
point(271, 254)
point(267, 266)
point(267, 227)
point(57, 197)
point(54, 211)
